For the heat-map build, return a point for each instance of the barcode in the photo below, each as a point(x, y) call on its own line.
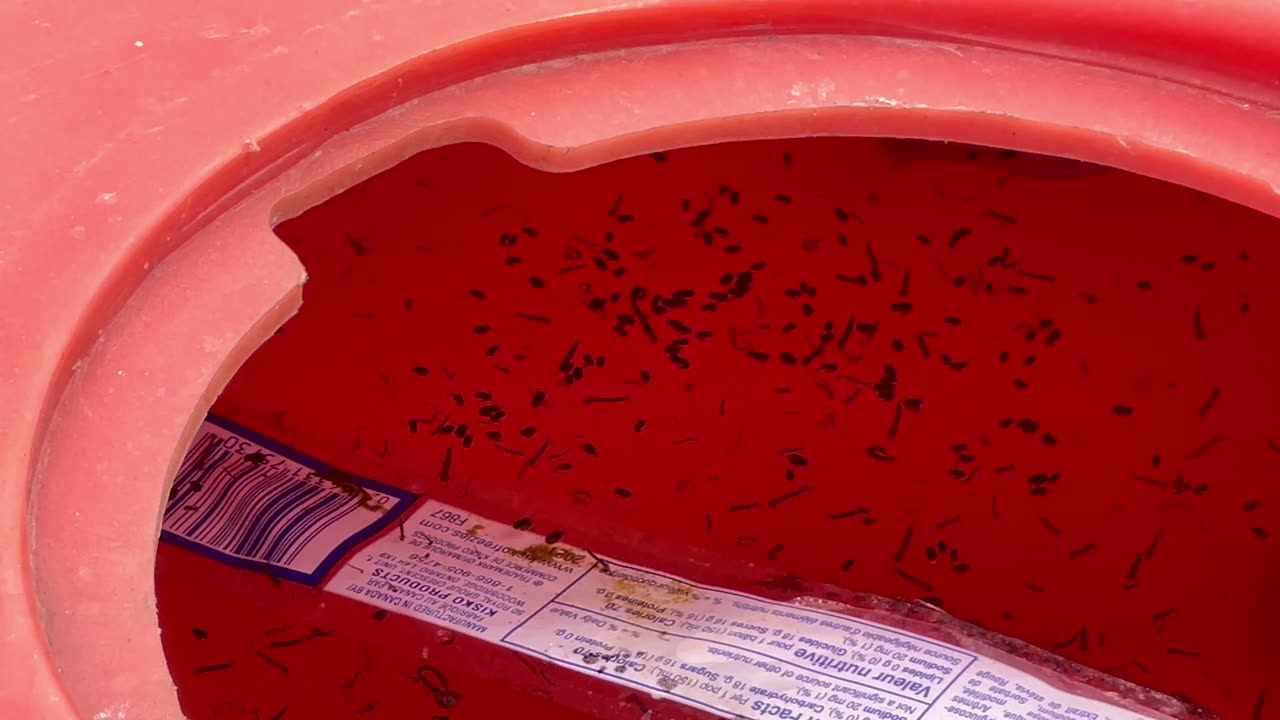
point(244, 500)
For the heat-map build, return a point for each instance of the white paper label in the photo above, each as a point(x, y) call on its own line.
point(731, 654)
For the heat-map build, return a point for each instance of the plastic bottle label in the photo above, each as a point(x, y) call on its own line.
point(728, 653)
point(248, 502)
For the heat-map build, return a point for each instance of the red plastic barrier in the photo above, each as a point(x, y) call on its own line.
point(141, 273)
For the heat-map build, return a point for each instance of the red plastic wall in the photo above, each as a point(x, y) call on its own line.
point(1066, 374)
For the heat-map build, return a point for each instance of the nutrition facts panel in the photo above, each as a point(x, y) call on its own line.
point(728, 653)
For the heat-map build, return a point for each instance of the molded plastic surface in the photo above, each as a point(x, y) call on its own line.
point(131, 130)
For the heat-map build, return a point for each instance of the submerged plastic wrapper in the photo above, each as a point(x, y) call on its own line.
point(783, 649)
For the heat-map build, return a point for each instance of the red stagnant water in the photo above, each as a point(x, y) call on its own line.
point(823, 355)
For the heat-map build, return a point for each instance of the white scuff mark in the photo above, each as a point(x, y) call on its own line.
point(80, 169)
point(819, 92)
point(78, 232)
point(114, 712)
point(251, 145)
point(1124, 144)
point(258, 30)
point(214, 32)
point(107, 198)
point(882, 100)
point(161, 105)
point(825, 89)
point(212, 344)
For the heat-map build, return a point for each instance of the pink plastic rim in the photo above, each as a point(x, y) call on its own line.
point(73, 635)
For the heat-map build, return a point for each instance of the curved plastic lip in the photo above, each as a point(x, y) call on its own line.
point(99, 229)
